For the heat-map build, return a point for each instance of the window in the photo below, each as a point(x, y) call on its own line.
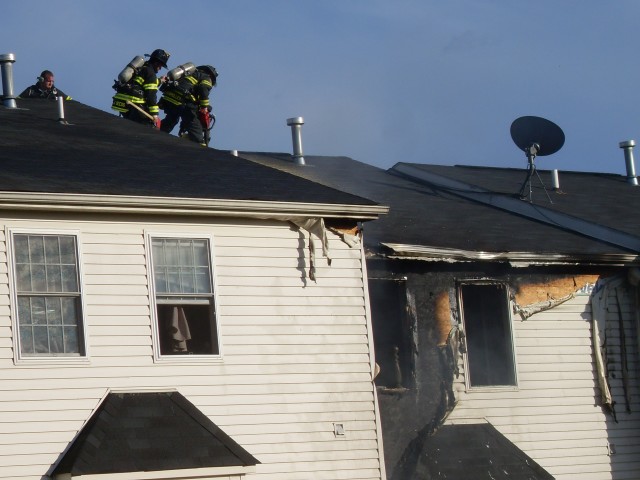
point(185, 307)
point(487, 325)
point(47, 286)
point(392, 333)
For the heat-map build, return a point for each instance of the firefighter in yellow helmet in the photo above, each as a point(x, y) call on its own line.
point(138, 84)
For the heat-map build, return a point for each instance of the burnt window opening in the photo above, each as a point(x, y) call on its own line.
point(489, 341)
point(392, 333)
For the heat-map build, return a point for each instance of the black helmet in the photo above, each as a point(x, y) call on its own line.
point(211, 71)
point(160, 56)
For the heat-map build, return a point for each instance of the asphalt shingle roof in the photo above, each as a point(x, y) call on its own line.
point(155, 431)
point(101, 153)
point(426, 215)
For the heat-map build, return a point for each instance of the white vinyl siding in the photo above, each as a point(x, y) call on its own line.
point(555, 415)
point(296, 352)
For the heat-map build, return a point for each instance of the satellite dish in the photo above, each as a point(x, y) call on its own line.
point(536, 136)
point(526, 131)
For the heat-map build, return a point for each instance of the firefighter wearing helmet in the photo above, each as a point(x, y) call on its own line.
point(185, 98)
point(137, 88)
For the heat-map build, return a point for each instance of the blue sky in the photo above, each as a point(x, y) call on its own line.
point(421, 81)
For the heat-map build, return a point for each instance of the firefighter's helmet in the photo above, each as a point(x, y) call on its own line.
point(211, 71)
point(160, 56)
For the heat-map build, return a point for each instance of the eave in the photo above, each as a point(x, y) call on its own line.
point(87, 203)
point(515, 259)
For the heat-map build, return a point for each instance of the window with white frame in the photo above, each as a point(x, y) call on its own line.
point(489, 340)
point(184, 297)
point(47, 288)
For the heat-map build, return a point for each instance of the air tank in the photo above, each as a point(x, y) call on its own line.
point(181, 71)
point(126, 74)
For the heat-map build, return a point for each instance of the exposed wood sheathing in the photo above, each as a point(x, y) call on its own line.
point(443, 317)
point(554, 289)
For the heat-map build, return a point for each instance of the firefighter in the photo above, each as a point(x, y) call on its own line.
point(185, 98)
point(44, 88)
point(138, 84)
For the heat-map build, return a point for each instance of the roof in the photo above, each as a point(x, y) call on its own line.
point(154, 431)
point(97, 153)
point(429, 216)
point(480, 452)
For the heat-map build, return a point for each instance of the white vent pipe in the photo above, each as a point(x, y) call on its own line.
point(6, 64)
point(60, 101)
point(627, 146)
point(296, 134)
point(555, 180)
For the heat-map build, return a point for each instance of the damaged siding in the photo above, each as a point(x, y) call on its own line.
point(555, 414)
point(295, 353)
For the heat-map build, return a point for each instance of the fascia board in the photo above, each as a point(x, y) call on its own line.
point(516, 259)
point(183, 206)
point(183, 474)
point(526, 209)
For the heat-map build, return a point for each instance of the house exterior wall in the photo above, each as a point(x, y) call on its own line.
point(554, 415)
point(295, 353)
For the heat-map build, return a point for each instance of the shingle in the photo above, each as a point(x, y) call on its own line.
point(150, 432)
point(428, 216)
point(100, 153)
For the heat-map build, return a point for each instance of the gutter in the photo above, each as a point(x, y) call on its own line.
point(183, 206)
point(515, 259)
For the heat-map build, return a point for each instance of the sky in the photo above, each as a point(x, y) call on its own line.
point(422, 81)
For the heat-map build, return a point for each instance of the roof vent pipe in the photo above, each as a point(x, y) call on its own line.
point(296, 135)
point(60, 101)
point(6, 61)
point(555, 180)
point(627, 146)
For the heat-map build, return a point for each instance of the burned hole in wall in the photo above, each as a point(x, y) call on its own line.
point(391, 332)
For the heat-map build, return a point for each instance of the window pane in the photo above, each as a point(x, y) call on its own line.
point(173, 280)
point(203, 281)
point(67, 250)
point(185, 252)
point(171, 252)
point(23, 278)
point(187, 280)
point(26, 340)
point(71, 340)
point(161, 280)
point(54, 278)
point(41, 338)
point(69, 315)
point(55, 340)
point(38, 278)
point(21, 248)
point(38, 311)
point(54, 313)
point(51, 250)
point(69, 278)
point(201, 253)
point(36, 249)
point(24, 310)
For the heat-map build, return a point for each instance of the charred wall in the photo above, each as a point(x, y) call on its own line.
point(415, 383)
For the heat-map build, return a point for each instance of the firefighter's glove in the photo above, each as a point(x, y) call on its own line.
point(204, 117)
point(156, 122)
